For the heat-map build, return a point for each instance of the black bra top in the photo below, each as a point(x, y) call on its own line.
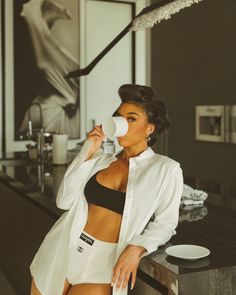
point(103, 196)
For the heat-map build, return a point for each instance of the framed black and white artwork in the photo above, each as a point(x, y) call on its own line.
point(42, 45)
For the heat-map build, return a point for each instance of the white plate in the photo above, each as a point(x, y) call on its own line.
point(189, 252)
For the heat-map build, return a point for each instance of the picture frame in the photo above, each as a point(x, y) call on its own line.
point(12, 141)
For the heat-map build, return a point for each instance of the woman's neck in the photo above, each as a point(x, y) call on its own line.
point(132, 151)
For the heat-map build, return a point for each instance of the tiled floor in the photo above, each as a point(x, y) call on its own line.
point(5, 286)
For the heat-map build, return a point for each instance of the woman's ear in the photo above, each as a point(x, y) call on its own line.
point(150, 129)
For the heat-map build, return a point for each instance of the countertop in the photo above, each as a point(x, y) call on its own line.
point(212, 225)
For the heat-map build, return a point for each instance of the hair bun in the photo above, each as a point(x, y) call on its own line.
point(136, 93)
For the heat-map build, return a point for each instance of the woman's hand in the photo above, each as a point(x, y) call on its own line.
point(126, 265)
point(96, 136)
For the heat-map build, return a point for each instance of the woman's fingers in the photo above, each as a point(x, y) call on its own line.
point(115, 275)
point(120, 279)
point(134, 275)
point(126, 279)
point(94, 133)
point(97, 130)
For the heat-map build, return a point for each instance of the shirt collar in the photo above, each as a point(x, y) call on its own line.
point(145, 154)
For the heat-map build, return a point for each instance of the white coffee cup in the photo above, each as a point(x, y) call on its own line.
point(114, 127)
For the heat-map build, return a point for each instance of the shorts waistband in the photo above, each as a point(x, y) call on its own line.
point(91, 240)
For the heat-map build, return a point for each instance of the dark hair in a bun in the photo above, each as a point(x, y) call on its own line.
point(156, 111)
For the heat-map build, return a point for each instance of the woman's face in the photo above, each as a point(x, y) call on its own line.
point(139, 128)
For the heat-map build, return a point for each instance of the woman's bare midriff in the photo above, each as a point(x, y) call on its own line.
point(102, 223)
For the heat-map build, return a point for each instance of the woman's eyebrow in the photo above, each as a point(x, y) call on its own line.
point(130, 113)
point(133, 113)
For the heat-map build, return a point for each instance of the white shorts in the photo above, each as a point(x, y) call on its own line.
point(91, 261)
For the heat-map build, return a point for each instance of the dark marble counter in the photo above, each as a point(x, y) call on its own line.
point(212, 225)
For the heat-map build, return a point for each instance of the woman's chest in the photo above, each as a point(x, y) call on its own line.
point(115, 176)
point(141, 180)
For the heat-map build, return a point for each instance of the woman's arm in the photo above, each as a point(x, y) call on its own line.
point(65, 195)
point(156, 233)
point(74, 173)
point(162, 228)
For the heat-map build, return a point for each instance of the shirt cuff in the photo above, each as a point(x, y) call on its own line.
point(149, 246)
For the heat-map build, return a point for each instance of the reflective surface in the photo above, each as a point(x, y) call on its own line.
point(37, 181)
point(212, 226)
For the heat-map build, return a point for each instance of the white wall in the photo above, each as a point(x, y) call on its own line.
point(101, 22)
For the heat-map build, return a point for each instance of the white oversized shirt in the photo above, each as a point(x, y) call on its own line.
point(154, 189)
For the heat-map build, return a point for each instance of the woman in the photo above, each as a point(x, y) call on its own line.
point(120, 207)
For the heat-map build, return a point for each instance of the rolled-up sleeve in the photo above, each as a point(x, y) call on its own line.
point(158, 231)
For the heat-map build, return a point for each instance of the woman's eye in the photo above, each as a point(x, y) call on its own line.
point(131, 119)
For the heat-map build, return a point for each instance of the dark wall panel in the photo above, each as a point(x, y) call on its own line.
point(194, 62)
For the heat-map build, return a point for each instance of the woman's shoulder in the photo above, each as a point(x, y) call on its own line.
point(164, 161)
